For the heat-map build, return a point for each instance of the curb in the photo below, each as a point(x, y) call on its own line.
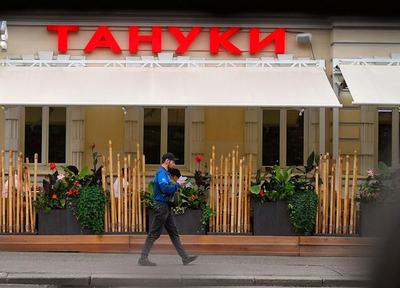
point(109, 280)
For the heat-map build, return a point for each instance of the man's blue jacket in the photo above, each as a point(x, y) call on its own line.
point(163, 188)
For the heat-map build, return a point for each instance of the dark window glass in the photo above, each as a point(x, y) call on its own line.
point(294, 138)
point(152, 135)
point(57, 134)
point(270, 137)
point(176, 134)
point(385, 138)
point(33, 132)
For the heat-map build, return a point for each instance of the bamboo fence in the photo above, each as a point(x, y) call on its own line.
point(230, 180)
point(17, 214)
point(337, 210)
point(125, 211)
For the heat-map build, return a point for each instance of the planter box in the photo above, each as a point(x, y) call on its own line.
point(59, 222)
point(372, 218)
point(188, 223)
point(271, 218)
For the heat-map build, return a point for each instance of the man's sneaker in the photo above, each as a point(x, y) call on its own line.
point(145, 262)
point(189, 259)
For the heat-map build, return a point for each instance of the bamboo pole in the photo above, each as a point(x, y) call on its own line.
point(139, 190)
point(211, 194)
point(217, 227)
point(353, 195)
point(28, 194)
point(339, 198)
point(324, 203)
point(125, 185)
point(225, 209)
point(346, 197)
point(239, 218)
point(233, 194)
point(18, 186)
point(35, 175)
point(245, 192)
point(144, 190)
point(129, 194)
point(318, 200)
point(113, 214)
point(136, 198)
point(10, 191)
point(249, 185)
point(119, 215)
point(221, 192)
point(3, 186)
point(332, 198)
point(104, 185)
point(134, 216)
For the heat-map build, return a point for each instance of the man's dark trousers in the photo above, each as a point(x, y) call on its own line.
point(163, 216)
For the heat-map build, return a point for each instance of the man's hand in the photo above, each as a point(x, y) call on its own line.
point(181, 182)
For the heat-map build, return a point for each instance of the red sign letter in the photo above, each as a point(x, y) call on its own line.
point(62, 31)
point(135, 38)
point(184, 42)
point(104, 39)
point(216, 40)
point(278, 36)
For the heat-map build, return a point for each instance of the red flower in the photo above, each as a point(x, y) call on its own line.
point(70, 193)
point(76, 191)
point(54, 196)
point(198, 158)
point(193, 197)
point(76, 183)
point(262, 193)
point(53, 166)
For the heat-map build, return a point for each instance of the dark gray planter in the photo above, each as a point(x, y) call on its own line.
point(372, 218)
point(271, 218)
point(188, 223)
point(59, 222)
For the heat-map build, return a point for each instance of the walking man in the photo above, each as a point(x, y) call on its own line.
point(163, 215)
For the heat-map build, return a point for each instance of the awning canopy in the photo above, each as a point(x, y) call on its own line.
point(167, 86)
point(373, 84)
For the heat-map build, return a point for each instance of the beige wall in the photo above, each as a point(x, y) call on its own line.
point(1, 129)
point(103, 124)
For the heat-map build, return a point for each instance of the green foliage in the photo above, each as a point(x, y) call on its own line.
point(278, 185)
point(302, 209)
point(376, 184)
point(90, 207)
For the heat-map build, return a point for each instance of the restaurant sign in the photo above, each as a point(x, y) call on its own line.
point(218, 39)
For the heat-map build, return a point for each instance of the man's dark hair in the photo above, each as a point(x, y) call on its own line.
point(174, 172)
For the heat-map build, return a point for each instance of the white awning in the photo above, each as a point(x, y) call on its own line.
point(373, 84)
point(167, 86)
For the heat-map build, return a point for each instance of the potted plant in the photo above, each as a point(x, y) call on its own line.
point(72, 202)
point(374, 195)
point(269, 201)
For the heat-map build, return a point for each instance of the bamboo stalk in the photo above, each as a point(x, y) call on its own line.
point(221, 192)
point(245, 192)
point(144, 190)
point(35, 173)
point(112, 195)
point(332, 198)
point(239, 218)
point(217, 199)
point(249, 185)
point(10, 191)
point(139, 191)
point(29, 212)
point(224, 226)
point(211, 194)
point(104, 184)
point(353, 195)
point(119, 215)
point(125, 189)
point(134, 216)
point(3, 185)
point(324, 203)
point(18, 197)
point(346, 197)
point(129, 194)
point(339, 198)
point(233, 194)
point(136, 198)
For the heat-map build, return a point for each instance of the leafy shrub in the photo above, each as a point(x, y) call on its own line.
point(302, 209)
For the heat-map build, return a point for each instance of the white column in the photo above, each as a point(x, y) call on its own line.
point(75, 136)
point(132, 129)
point(253, 135)
point(335, 133)
point(196, 135)
point(13, 131)
point(368, 138)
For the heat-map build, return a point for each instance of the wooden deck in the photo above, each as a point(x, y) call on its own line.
point(201, 244)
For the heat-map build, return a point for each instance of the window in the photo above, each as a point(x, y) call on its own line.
point(282, 137)
point(45, 134)
point(270, 137)
point(385, 137)
point(164, 130)
point(295, 138)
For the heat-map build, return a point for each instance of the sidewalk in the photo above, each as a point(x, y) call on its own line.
point(89, 269)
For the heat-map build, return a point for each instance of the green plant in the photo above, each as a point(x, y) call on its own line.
point(90, 207)
point(302, 209)
point(148, 198)
point(376, 184)
point(278, 185)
